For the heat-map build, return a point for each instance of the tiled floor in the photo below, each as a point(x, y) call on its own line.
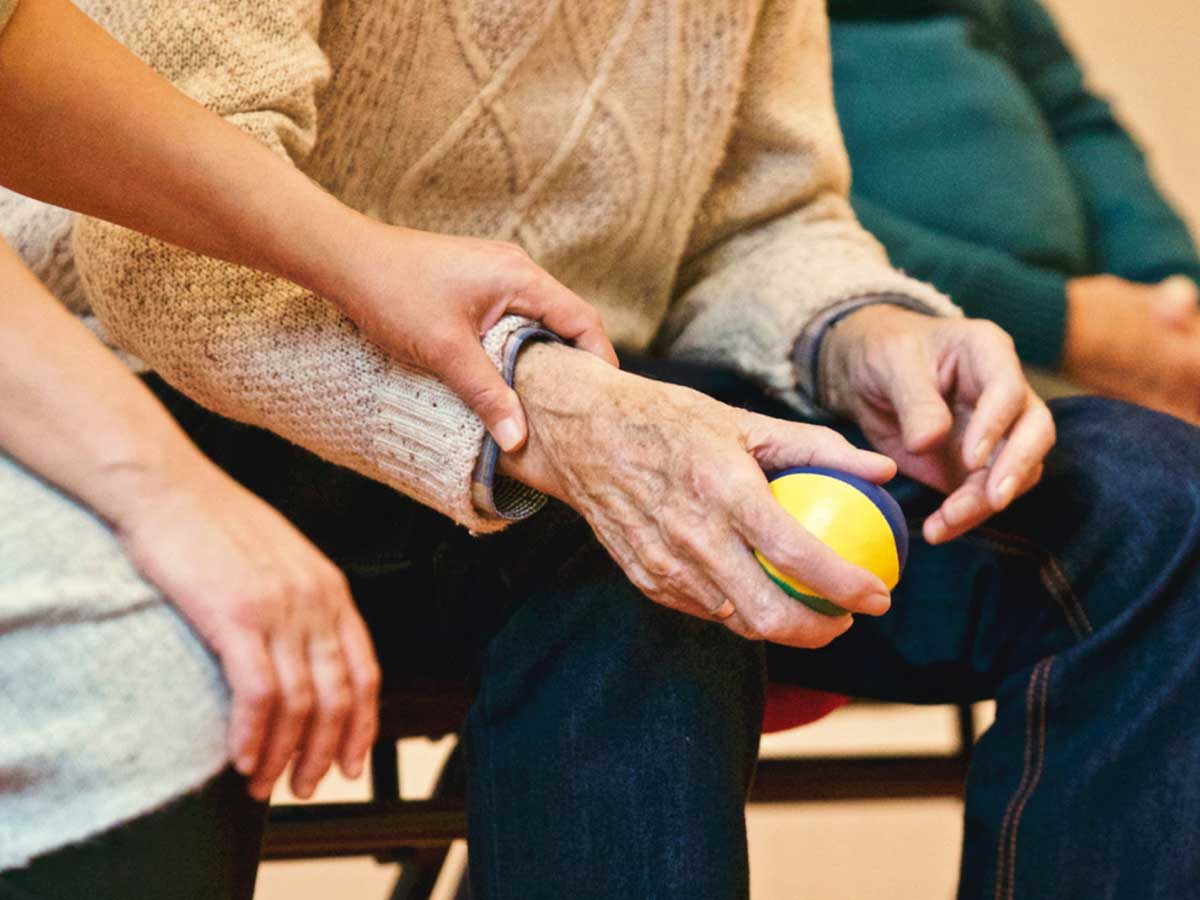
point(839, 851)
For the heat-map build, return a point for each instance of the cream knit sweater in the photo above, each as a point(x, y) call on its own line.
point(676, 162)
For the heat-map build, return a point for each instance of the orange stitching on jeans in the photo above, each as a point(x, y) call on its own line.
point(1051, 573)
point(1037, 776)
point(1002, 848)
point(1039, 683)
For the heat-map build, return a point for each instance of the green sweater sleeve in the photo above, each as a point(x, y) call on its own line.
point(1027, 302)
point(6, 10)
point(1133, 230)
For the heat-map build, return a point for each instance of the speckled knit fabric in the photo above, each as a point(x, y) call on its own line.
point(676, 162)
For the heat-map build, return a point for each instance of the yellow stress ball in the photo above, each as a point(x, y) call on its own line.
point(859, 520)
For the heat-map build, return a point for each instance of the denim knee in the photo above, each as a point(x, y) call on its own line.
point(1119, 504)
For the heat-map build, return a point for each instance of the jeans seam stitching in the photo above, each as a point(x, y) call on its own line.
point(1050, 572)
point(1001, 848)
point(1037, 777)
point(1036, 697)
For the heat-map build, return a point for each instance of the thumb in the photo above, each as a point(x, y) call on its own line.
point(1175, 301)
point(924, 417)
point(475, 379)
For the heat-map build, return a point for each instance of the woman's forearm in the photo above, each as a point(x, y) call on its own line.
point(89, 126)
point(71, 412)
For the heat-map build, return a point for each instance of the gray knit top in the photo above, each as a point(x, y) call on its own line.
point(109, 705)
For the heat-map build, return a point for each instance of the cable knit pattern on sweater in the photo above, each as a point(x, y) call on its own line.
point(677, 163)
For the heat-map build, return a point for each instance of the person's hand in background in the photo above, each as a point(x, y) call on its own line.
point(945, 398)
point(1137, 342)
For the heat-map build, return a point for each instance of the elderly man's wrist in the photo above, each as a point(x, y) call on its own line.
point(842, 335)
point(844, 346)
point(559, 389)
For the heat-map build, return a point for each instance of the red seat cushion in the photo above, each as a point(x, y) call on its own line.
point(789, 706)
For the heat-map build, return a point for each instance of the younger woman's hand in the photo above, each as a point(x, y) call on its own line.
point(275, 611)
point(426, 299)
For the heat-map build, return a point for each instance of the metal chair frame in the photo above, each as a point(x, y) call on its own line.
point(417, 834)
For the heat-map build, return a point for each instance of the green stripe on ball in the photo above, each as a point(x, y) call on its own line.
point(816, 604)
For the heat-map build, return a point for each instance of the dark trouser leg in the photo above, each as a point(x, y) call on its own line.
point(611, 742)
point(201, 847)
point(611, 745)
point(1078, 610)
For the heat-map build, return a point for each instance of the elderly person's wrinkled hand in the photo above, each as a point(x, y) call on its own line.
point(948, 400)
point(672, 484)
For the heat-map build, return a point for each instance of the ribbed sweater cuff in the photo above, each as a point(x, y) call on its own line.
point(1030, 304)
point(428, 441)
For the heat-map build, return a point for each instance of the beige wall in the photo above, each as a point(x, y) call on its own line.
point(1145, 56)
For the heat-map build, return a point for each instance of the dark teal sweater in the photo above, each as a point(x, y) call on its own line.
point(985, 165)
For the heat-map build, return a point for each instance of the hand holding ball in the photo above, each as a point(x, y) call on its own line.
point(859, 520)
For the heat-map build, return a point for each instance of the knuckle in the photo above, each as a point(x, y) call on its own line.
point(658, 562)
point(793, 556)
point(816, 639)
point(517, 265)
point(256, 609)
point(761, 624)
point(769, 621)
point(728, 485)
point(368, 680)
point(339, 701)
point(333, 580)
point(990, 332)
point(306, 587)
point(511, 251)
point(298, 701)
point(261, 692)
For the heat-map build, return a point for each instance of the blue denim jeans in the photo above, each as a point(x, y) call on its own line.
point(613, 760)
point(612, 742)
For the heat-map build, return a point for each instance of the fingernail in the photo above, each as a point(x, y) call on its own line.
point(354, 769)
point(507, 434)
point(245, 764)
point(881, 602)
point(1008, 487)
point(982, 451)
point(934, 531)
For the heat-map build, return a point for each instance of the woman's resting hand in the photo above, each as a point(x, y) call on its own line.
point(276, 612)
